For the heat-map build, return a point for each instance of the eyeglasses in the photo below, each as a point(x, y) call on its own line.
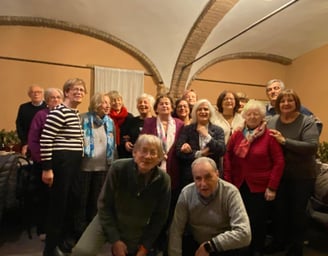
point(36, 92)
point(146, 152)
point(55, 97)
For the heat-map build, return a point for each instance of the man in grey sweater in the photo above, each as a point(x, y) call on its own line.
point(210, 217)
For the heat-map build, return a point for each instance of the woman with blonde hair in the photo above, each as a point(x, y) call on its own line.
point(61, 155)
point(118, 113)
point(99, 153)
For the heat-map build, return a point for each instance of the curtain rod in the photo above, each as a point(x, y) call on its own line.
point(54, 63)
point(43, 62)
point(229, 82)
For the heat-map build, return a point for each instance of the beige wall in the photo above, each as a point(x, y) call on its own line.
point(240, 71)
point(307, 75)
point(52, 45)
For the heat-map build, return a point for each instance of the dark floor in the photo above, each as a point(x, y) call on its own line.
point(14, 240)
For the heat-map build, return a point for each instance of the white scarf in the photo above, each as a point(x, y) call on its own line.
point(167, 138)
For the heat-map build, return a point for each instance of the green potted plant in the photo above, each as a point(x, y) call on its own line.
point(2, 139)
point(322, 157)
point(323, 152)
point(9, 139)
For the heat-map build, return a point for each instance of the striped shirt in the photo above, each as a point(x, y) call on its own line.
point(62, 131)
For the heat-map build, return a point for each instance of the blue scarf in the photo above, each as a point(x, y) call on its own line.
point(88, 121)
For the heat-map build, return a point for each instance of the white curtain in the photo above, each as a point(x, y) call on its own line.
point(129, 83)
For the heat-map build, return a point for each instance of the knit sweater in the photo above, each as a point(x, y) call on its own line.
point(301, 145)
point(130, 210)
point(224, 219)
point(34, 134)
point(24, 118)
point(62, 131)
point(258, 175)
point(237, 122)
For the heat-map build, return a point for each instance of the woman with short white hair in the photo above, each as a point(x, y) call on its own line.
point(254, 163)
point(132, 126)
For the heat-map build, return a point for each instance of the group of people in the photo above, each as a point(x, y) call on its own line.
point(186, 178)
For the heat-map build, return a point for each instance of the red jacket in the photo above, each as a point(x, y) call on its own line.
point(261, 168)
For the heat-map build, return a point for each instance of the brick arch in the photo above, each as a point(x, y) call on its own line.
point(108, 38)
point(209, 18)
point(244, 55)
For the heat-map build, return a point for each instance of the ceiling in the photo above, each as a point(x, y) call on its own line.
point(178, 38)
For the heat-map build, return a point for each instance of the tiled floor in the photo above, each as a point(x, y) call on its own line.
point(15, 242)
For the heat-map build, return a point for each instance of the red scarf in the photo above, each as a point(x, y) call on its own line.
point(242, 149)
point(118, 119)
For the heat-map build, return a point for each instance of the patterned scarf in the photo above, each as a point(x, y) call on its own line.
point(88, 122)
point(118, 119)
point(242, 149)
point(167, 138)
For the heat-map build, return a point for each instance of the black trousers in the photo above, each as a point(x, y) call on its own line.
point(63, 199)
point(39, 198)
point(90, 186)
point(258, 212)
point(289, 211)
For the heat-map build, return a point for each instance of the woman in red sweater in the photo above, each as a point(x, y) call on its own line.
point(254, 162)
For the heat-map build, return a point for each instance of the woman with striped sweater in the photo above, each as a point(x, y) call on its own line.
point(61, 154)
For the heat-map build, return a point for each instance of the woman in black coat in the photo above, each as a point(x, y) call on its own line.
point(200, 138)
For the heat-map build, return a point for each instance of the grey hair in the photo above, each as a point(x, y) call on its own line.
point(149, 139)
point(256, 105)
point(196, 106)
point(282, 85)
point(49, 91)
point(149, 97)
point(205, 159)
point(30, 88)
point(151, 101)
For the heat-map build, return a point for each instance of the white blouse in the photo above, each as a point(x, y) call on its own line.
point(237, 122)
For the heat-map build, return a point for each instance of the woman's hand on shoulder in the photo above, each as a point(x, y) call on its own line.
point(278, 136)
